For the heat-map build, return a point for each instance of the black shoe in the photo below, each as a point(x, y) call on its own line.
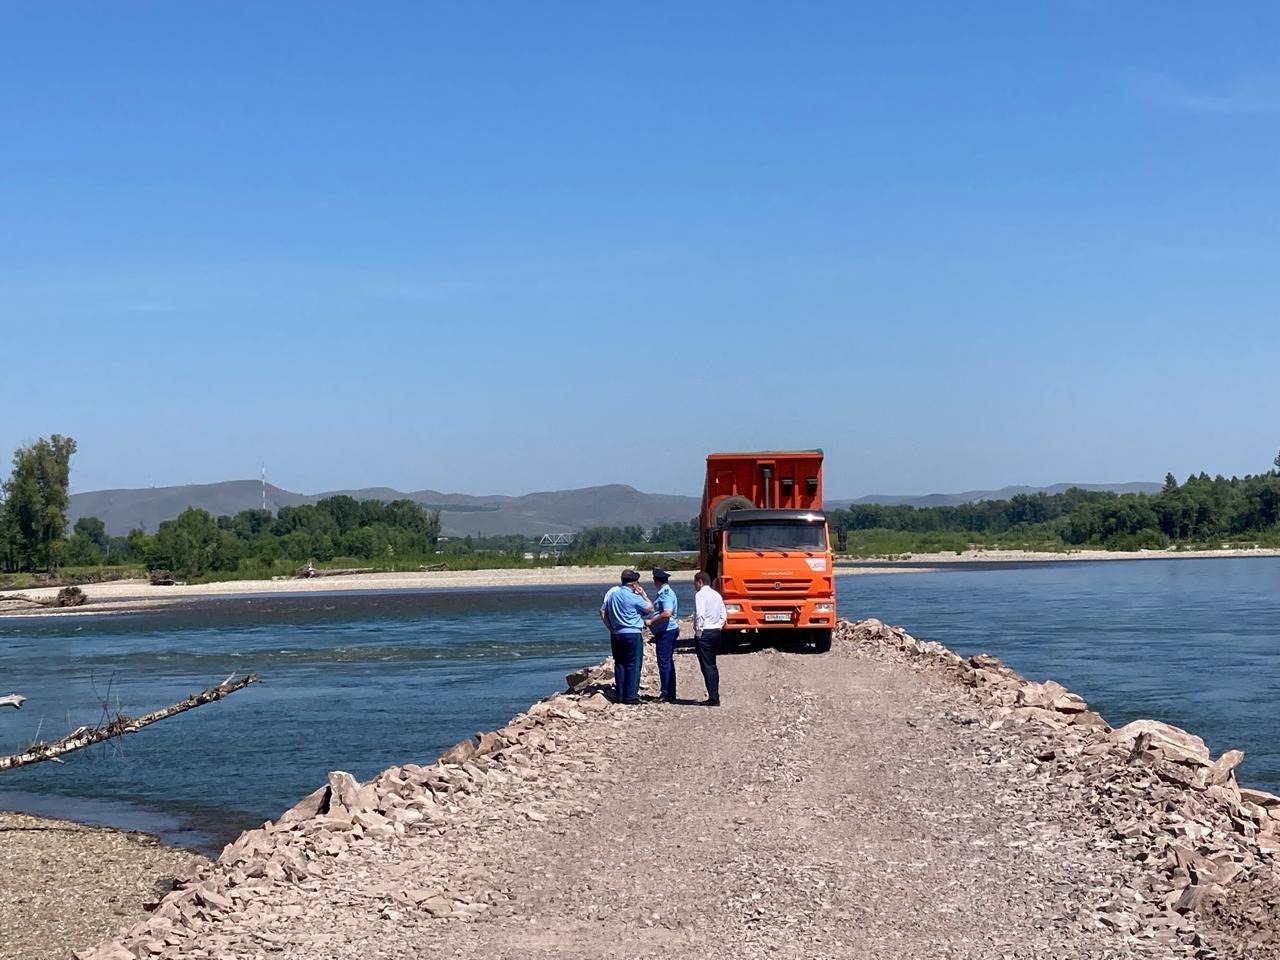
point(711, 703)
point(667, 699)
point(631, 703)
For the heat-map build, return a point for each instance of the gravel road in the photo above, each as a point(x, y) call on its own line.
point(828, 809)
point(835, 806)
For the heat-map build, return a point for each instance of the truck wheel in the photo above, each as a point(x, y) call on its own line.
point(822, 641)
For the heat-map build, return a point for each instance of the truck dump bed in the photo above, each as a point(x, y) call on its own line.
point(784, 480)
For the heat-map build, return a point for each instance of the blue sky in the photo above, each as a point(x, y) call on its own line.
point(503, 247)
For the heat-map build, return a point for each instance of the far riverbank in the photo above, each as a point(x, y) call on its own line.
point(126, 596)
point(1051, 556)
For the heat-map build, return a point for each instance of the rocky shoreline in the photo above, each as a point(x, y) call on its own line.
point(1204, 848)
point(1169, 856)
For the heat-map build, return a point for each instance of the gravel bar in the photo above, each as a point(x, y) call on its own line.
point(64, 884)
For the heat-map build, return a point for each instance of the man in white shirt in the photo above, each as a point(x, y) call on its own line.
point(708, 620)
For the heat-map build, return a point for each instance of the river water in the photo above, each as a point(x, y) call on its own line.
point(363, 681)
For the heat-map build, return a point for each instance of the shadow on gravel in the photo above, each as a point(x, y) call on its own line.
point(754, 643)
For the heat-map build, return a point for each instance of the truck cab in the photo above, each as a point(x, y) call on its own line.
point(764, 539)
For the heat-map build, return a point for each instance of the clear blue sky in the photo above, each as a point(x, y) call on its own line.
point(501, 247)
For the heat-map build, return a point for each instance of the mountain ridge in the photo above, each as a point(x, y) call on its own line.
point(531, 514)
point(1003, 493)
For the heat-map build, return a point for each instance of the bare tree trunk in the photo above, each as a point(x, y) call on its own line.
point(22, 598)
point(87, 736)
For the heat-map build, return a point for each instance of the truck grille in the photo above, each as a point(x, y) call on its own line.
point(780, 587)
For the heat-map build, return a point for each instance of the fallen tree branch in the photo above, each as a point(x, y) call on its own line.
point(14, 700)
point(120, 725)
point(23, 598)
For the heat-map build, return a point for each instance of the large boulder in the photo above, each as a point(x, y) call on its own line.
point(1224, 767)
point(312, 805)
point(1173, 743)
point(1263, 799)
point(1034, 694)
point(460, 751)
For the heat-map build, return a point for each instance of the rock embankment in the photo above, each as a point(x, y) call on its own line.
point(1206, 847)
point(836, 806)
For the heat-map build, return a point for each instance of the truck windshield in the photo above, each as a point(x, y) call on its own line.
point(777, 535)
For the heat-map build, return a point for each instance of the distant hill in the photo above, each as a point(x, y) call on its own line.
point(533, 514)
point(558, 511)
point(1004, 493)
point(123, 510)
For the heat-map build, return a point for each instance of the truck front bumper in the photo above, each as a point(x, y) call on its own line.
point(761, 613)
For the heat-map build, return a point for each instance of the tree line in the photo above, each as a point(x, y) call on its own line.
point(34, 501)
point(1200, 510)
point(33, 528)
point(665, 536)
point(255, 541)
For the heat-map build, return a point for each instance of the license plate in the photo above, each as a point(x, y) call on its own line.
point(777, 618)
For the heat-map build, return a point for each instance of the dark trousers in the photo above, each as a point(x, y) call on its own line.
point(708, 644)
point(628, 655)
point(665, 643)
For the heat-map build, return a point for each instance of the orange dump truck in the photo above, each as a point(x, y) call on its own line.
point(763, 534)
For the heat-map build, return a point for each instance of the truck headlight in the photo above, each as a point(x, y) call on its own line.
point(823, 607)
point(733, 608)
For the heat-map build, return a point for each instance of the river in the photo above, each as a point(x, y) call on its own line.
point(363, 681)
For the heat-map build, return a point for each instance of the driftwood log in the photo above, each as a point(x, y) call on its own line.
point(22, 598)
point(67, 597)
point(305, 574)
point(15, 700)
point(119, 725)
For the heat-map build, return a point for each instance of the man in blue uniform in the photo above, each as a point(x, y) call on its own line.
point(666, 630)
point(623, 611)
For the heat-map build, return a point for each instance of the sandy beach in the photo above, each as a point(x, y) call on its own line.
point(121, 596)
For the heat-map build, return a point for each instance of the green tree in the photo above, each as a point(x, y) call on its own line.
point(35, 503)
point(142, 546)
point(82, 551)
point(248, 524)
point(192, 545)
point(120, 550)
point(344, 510)
point(8, 536)
point(94, 529)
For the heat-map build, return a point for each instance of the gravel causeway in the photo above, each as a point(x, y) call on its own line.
point(857, 804)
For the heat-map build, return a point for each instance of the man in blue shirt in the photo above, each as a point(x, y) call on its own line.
point(666, 630)
point(623, 612)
